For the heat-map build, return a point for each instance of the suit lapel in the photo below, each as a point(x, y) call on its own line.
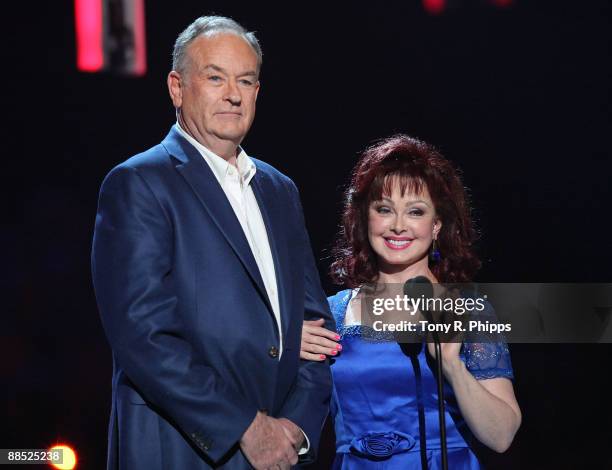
point(268, 200)
point(200, 177)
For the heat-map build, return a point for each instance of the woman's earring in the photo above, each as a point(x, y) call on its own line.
point(434, 255)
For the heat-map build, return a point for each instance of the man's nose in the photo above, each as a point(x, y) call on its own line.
point(232, 93)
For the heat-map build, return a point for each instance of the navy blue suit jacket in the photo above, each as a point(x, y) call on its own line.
point(187, 316)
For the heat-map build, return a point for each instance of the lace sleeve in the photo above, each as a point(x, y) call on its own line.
point(488, 359)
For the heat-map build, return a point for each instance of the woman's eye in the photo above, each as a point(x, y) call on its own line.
point(417, 212)
point(383, 210)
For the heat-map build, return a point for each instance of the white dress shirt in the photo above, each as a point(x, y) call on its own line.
point(235, 182)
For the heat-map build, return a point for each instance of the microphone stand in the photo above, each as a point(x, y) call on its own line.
point(441, 407)
point(412, 288)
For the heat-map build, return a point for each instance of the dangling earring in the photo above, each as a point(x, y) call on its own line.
point(434, 255)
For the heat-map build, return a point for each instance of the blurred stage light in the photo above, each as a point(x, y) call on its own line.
point(88, 14)
point(434, 7)
point(69, 461)
point(111, 36)
point(502, 3)
point(438, 7)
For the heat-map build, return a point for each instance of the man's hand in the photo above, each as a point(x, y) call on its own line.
point(266, 444)
point(293, 433)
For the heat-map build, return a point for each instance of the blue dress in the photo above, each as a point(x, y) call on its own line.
point(385, 402)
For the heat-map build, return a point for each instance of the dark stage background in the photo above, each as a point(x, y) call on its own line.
point(519, 98)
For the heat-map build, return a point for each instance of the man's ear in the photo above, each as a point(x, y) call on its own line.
point(175, 88)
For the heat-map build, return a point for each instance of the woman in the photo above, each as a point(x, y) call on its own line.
point(406, 215)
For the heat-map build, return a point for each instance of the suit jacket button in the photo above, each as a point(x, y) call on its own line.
point(273, 352)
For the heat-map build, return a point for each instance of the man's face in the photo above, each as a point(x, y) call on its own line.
point(217, 90)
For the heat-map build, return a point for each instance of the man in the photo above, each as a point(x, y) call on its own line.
point(203, 275)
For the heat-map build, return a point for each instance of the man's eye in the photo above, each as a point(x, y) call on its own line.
point(246, 82)
point(214, 78)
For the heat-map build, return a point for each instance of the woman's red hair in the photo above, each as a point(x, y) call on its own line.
point(416, 164)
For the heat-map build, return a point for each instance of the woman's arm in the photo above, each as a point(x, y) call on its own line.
point(488, 406)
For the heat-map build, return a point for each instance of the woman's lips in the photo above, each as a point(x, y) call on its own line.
point(398, 243)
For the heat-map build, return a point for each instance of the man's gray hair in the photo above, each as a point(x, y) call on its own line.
point(208, 26)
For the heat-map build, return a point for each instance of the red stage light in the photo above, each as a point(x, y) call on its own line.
point(140, 61)
point(90, 54)
point(502, 3)
point(111, 36)
point(434, 7)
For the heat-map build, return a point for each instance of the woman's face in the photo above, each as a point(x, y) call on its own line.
point(401, 229)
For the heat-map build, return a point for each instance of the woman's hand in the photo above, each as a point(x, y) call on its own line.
point(450, 355)
point(318, 342)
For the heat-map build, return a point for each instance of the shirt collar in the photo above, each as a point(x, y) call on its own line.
point(219, 166)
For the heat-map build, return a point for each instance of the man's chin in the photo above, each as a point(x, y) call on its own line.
point(233, 135)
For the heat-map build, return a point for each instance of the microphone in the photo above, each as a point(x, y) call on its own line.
point(415, 288)
point(422, 283)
